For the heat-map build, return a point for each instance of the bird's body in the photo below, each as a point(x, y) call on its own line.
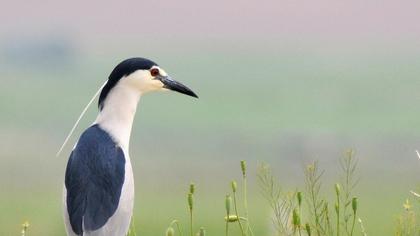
point(99, 184)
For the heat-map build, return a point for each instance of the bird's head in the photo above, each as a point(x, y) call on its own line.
point(142, 75)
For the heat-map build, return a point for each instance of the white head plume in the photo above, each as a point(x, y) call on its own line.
point(80, 117)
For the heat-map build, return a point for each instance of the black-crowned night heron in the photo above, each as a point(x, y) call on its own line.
point(99, 185)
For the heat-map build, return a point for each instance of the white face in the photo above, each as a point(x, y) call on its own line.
point(145, 80)
point(154, 79)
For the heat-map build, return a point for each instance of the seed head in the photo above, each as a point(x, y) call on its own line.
point(231, 218)
point(170, 232)
point(234, 186)
point(350, 153)
point(25, 225)
point(243, 168)
point(354, 204)
point(310, 168)
point(299, 198)
point(337, 189)
point(228, 204)
point(190, 201)
point(192, 188)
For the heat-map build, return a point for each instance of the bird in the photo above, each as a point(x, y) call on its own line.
point(98, 195)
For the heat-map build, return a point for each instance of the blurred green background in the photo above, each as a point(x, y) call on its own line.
point(279, 82)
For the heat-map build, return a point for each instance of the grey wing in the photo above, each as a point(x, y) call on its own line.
point(94, 179)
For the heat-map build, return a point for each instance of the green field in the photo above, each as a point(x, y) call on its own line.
point(280, 106)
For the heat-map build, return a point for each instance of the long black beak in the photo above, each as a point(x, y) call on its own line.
point(171, 84)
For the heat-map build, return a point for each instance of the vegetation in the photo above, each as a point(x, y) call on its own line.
point(231, 206)
point(293, 216)
point(296, 212)
point(316, 217)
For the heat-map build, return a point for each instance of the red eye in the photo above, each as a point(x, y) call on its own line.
point(154, 72)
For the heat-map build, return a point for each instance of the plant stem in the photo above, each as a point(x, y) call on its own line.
point(300, 214)
point(244, 181)
point(352, 227)
point(191, 223)
point(314, 206)
point(227, 226)
point(338, 215)
point(236, 212)
point(191, 207)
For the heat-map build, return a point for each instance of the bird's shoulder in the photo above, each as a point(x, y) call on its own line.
point(95, 139)
point(96, 153)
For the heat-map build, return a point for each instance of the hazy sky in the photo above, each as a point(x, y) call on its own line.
point(91, 21)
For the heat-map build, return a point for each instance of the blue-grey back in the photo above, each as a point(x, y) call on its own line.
point(94, 179)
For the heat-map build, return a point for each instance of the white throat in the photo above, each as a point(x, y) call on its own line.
point(117, 114)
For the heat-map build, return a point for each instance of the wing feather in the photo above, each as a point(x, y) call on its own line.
point(94, 179)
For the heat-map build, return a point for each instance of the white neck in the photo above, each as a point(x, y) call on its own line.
point(117, 114)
